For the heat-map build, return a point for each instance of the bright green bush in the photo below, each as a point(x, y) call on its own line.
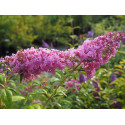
point(109, 24)
point(16, 31)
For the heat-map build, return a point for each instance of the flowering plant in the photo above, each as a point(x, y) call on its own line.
point(30, 63)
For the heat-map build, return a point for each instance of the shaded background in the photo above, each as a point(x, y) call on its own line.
point(54, 31)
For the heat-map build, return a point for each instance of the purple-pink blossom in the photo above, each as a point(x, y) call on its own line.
point(123, 40)
point(113, 77)
point(72, 83)
point(91, 54)
point(82, 78)
point(116, 104)
point(37, 102)
point(45, 44)
point(96, 93)
point(90, 33)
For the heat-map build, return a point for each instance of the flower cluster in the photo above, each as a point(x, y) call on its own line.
point(90, 33)
point(116, 104)
point(45, 45)
point(113, 77)
point(123, 40)
point(91, 54)
point(32, 62)
point(94, 53)
point(82, 78)
point(72, 83)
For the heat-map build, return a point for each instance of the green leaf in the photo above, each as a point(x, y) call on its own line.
point(35, 106)
point(17, 98)
point(12, 83)
point(118, 66)
point(12, 89)
point(77, 44)
point(37, 91)
point(122, 52)
point(2, 78)
point(73, 36)
point(59, 71)
point(3, 95)
point(6, 97)
point(66, 101)
point(1, 85)
point(36, 82)
point(70, 44)
point(61, 91)
point(76, 27)
point(54, 79)
point(70, 74)
point(9, 98)
point(30, 107)
point(59, 105)
point(58, 75)
point(21, 77)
